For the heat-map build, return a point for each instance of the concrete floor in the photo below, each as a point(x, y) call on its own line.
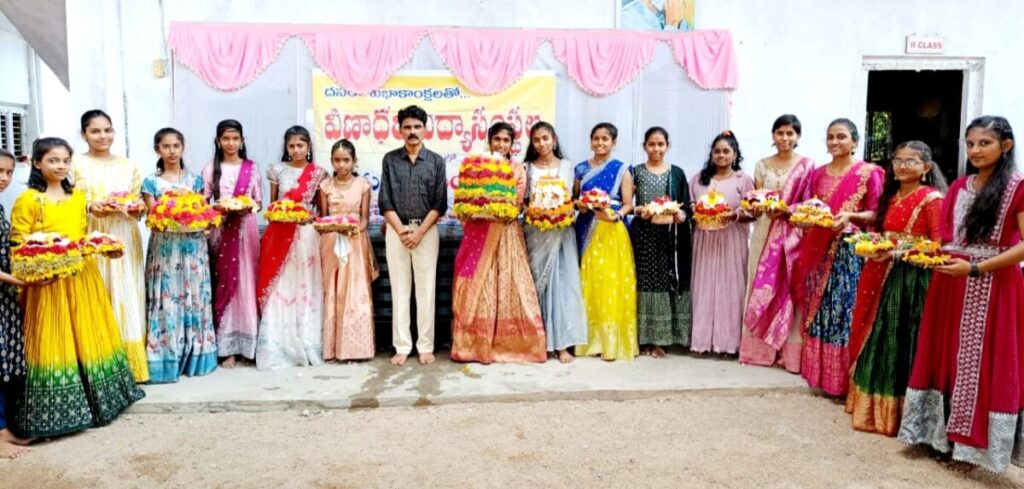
point(376, 383)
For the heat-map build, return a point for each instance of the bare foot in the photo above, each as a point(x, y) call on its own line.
point(7, 436)
point(12, 451)
point(657, 352)
point(645, 350)
point(426, 358)
point(565, 357)
point(228, 362)
point(399, 359)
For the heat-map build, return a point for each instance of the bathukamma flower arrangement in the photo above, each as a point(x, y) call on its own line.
point(102, 243)
point(288, 211)
point(487, 188)
point(926, 253)
point(813, 212)
point(550, 205)
point(182, 211)
point(866, 244)
point(712, 211)
point(763, 200)
point(127, 201)
point(597, 200)
point(663, 210)
point(45, 256)
point(345, 224)
point(238, 204)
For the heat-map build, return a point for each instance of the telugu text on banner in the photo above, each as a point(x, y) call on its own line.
point(457, 119)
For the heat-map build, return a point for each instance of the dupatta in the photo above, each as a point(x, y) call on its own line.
point(769, 312)
point(279, 236)
point(901, 220)
point(813, 265)
point(606, 177)
point(225, 266)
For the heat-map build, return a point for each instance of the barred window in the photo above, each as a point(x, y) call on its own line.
point(12, 129)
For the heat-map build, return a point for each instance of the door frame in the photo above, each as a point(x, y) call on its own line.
point(973, 69)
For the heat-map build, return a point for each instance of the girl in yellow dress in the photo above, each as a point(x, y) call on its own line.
point(606, 256)
point(78, 374)
point(97, 174)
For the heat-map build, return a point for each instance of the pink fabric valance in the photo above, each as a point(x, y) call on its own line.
point(226, 56)
point(603, 62)
point(362, 58)
point(486, 61)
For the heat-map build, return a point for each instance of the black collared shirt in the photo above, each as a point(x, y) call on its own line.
point(413, 190)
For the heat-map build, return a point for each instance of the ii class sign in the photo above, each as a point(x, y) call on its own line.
point(924, 45)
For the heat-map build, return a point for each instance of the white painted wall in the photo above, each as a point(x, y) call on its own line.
point(798, 56)
point(14, 63)
point(805, 56)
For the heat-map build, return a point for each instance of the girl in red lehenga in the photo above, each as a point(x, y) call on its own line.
point(965, 390)
point(891, 292)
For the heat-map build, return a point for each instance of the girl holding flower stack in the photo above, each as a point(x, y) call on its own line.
point(290, 283)
point(234, 247)
point(605, 189)
point(78, 372)
point(494, 300)
point(551, 243)
point(347, 261)
point(771, 333)
point(662, 247)
point(720, 249)
point(179, 293)
point(824, 277)
point(964, 397)
point(111, 186)
point(891, 291)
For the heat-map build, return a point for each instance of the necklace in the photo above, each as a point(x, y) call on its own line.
point(900, 195)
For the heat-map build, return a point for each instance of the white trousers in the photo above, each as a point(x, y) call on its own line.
point(406, 267)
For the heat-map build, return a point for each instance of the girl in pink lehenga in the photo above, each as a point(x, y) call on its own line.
point(347, 262)
point(771, 334)
point(235, 246)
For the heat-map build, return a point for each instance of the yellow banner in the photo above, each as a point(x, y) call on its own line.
point(457, 119)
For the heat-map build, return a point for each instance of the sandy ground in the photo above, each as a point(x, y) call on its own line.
point(695, 440)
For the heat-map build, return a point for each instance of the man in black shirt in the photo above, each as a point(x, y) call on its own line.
point(413, 195)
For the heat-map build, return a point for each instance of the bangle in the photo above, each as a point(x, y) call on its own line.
point(975, 271)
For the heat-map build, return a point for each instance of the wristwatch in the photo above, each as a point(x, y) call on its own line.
point(975, 272)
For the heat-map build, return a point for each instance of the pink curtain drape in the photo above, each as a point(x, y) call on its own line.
point(226, 56)
point(708, 58)
point(601, 62)
point(486, 61)
point(362, 58)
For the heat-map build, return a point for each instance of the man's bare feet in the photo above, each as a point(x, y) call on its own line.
point(228, 362)
point(426, 358)
point(399, 359)
point(12, 451)
point(565, 357)
point(7, 436)
point(657, 352)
